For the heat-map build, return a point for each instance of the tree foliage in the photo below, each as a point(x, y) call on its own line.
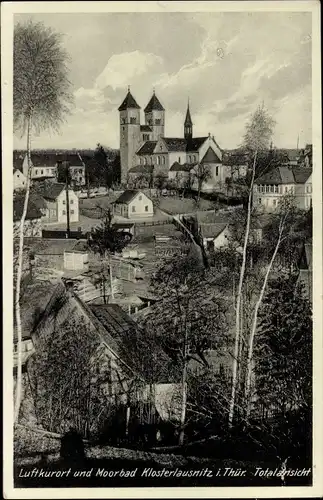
point(283, 351)
point(106, 237)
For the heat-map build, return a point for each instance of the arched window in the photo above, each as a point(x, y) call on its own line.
point(163, 160)
point(145, 161)
point(189, 159)
point(158, 160)
point(141, 160)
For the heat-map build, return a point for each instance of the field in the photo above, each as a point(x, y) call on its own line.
point(176, 205)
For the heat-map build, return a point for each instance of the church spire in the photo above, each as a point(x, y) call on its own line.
point(188, 124)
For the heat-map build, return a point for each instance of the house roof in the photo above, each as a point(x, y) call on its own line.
point(212, 229)
point(195, 143)
point(210, 157)
point(33, 211)
point(285, 175)
point(145, 128)
point(128, 102)
point(52, 191)
point(142, 169)
point(44, 160)
point(175, 143)
point(154, 104)
point(181, 167)
point(127, 196)
point(147, 148)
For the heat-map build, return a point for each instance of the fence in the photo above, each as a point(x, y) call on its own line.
point(62, 235)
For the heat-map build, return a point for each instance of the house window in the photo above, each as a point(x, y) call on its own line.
point(140, 197)
point(179, 159)
point(216, 171)
point(133, 208)
point(72, 212)
point(259, 201)
point(286, 189)
point(71, 202)
point(64, 212)
point(41, 172)
point(146, 208)
point(64, 202)
point(132, 120)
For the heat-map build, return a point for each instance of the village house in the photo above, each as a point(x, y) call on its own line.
point(33, 221)
point(43, 166)
point(272, 186)
point(133, 204)
point(56, 199)
point(19, 180)
point(76, 167)
point(214, 235)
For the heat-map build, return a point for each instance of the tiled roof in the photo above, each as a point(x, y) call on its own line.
point(195, 143)
point(145, 128)
point(44, 160)
point(175, 144)
point(147, 148)
point(154, 104)
point(285, 175)
point(212, 229)
point(128, 102)
point(181, 167)
point(142, 169)
point(127, 196)
point(18, 206)
point(210, 157)
point(51, 191)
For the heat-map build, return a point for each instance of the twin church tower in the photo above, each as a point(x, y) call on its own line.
point(133, 135)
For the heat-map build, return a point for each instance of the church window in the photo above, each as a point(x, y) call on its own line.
point(145, 161)
point(158, 121)
point(145, 137)
point(216, 171)
point(123, 120)
point(163, 160)
point(189, 159)
point(132, 120)
point(179, 159)
point(158, 160)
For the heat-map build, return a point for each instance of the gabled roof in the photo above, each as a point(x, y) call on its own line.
point(127, 196)
point(195, 143)
point(285, 175)
point(44, 160)
point(181, 167)
point(175, 144)
point(52, 191)
point(142, 169)
point(210, 157)
point(154, 104)
point(128, 102)
point(188, 119)
point(145, 128)
point(18, 206)
point(212, 229)
point(74, 160)
point(147, 148)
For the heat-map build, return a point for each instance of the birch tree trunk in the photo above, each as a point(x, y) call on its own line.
point(184, 388)
point(238, 303)
point(254, 325)
point(18, 280)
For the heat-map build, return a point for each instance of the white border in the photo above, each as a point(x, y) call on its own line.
point(8, 10)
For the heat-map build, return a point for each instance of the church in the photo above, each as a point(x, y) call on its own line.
point(144, 149)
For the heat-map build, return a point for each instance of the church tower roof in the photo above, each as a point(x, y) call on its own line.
point(128, 102)
point(188, 119)
point(154, 104)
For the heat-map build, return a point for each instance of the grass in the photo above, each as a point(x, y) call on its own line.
point(177, 205)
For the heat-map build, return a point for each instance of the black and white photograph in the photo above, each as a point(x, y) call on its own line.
point(162, 204)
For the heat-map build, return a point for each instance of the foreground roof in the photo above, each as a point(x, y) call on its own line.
point(127, 196)
point(52, 191)
point(147, 148)
point(212, 229)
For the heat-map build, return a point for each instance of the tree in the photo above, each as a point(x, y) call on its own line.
point(257, 137)
point(283, 349)
point(201, 173)
point(102, 169)
point(106, 237)
point(41, 98)
point(159, 183)
point(188, 320)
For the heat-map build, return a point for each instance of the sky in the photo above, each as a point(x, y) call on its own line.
point(225, 63)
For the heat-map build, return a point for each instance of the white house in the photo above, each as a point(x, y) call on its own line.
point(56, 203)
point(19, 180)
point(43, 166)
point(272, 186)
point(214, 234)
point(133, 204)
